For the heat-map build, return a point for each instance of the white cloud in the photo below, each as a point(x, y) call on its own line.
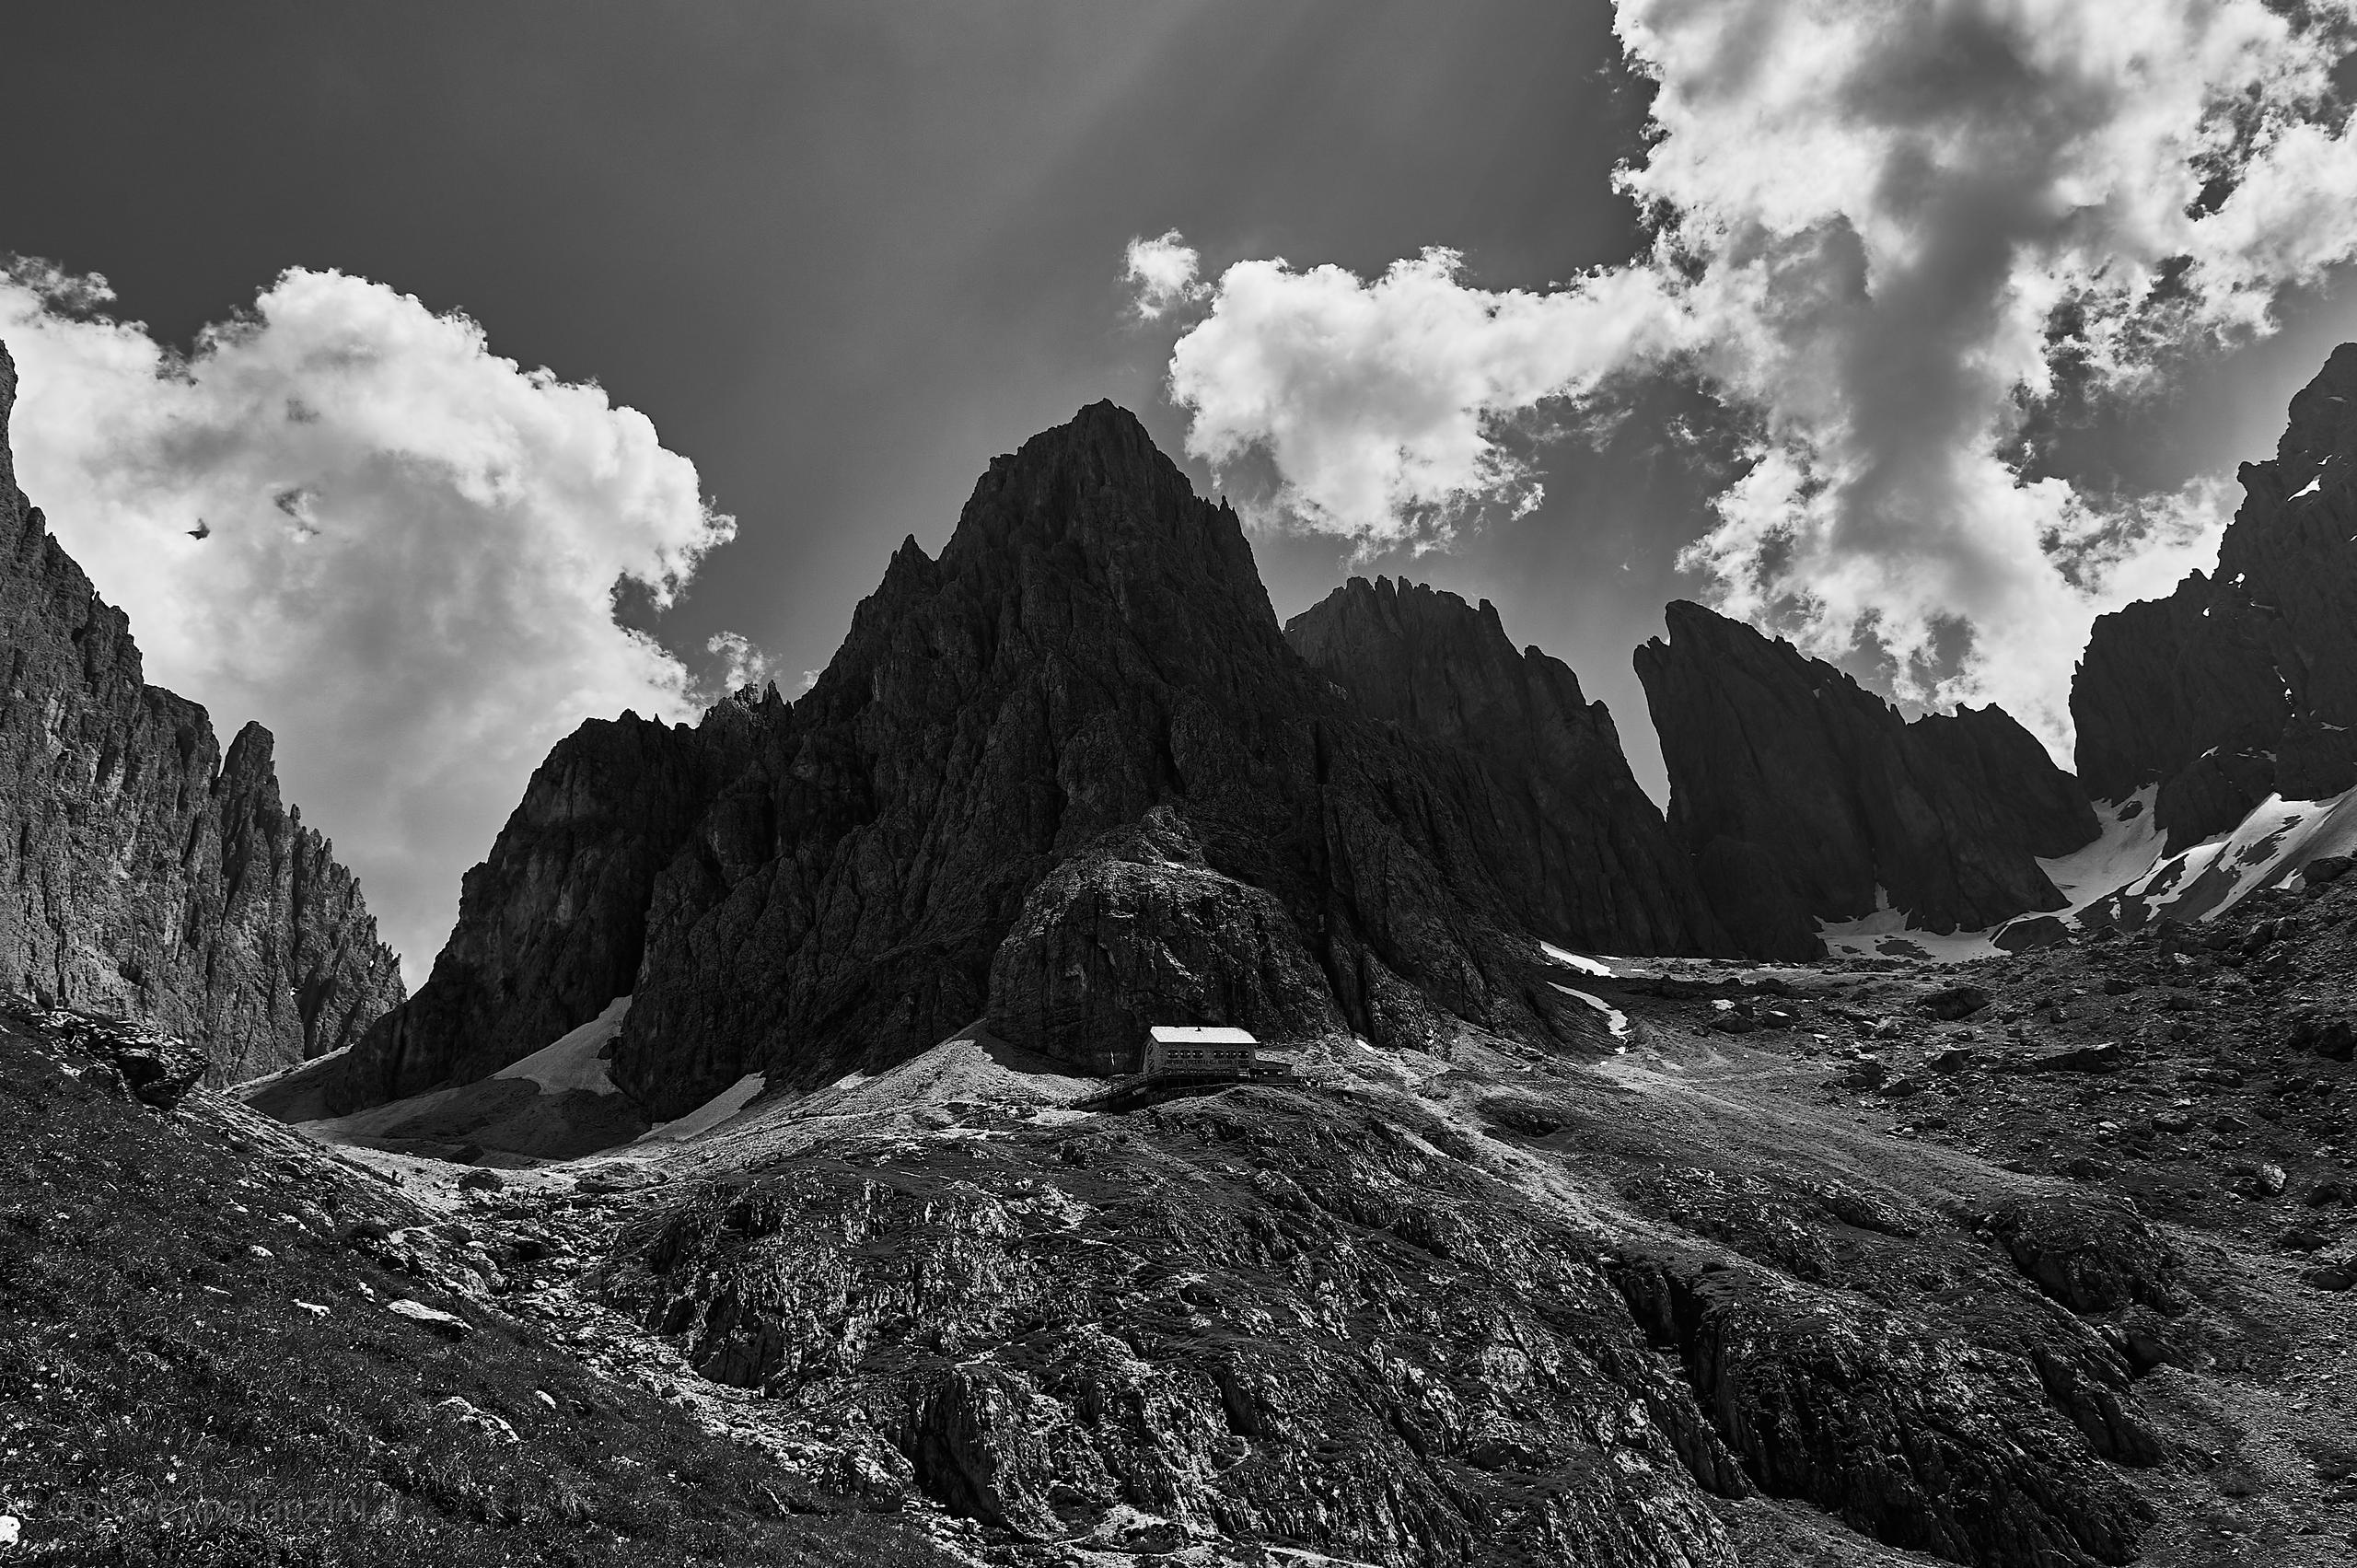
point(1380, 402)
point(1161, 272)
point(410, 550)
point(741, 664)
point(1874, 222)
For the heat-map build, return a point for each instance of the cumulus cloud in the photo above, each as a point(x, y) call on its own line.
point(1881, 233)
point(1161, 274)
point(409, 549)
point(741, 664)
point(1380, 402)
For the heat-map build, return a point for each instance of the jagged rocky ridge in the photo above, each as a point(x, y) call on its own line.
point(1803, 798)
point(1559, 783)
point(1080, 725)
point(1065, 778)
point(145, 873)
point(2243, 682)
point(552, 927)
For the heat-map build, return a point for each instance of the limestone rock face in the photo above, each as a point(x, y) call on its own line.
point(1799, 793)
point(1141, 932)
point(1973, 1454)
point(1093, 643)
point(2243, 683)
point(552, 927)
point(1068, 779)
point(142, 872)
point(1553, 784)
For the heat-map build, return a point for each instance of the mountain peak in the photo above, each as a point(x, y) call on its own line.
point(1104, 440)
point(2242, 683)
point(1802, 796)
point(1443, 670)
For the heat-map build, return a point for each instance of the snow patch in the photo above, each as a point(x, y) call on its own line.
point(2125, 850)
point(571, 1060)
point(711, 1113)
point(2128, 847)
point(1884, 934)
point(1604, 968)
point(1614, 1019)
point(2266, 848)
point(1574, 960)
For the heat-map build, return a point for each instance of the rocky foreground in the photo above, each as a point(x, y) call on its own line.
point(2039, 1260)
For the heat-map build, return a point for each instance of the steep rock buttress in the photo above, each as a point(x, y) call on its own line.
point(1803, 798)
point(143, 871)
point(2243, 682)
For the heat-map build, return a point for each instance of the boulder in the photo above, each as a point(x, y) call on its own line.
point(2335, 1274)
point(129, 1057)
point(2259, 1180)
point(2106, 1057)
point(461, 1412)
point(2031, 932)
point(1950, 1003)
point(160, 1070)
point(1137, 932)
point(1863, 1075)
point(2329, 1035)
point(433, 1319)
point(2091, 1256)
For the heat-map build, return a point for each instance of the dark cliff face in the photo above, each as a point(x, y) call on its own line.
point(142, 871)
point(2243, 683)
point(1089, 678)
point(1066, 779)
point(1798, 793)
point(1555, 786)
point(552, 927)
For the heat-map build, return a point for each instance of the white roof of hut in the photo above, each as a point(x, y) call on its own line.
point(1199, 1034)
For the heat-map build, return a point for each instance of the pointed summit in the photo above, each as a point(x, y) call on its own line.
point(1444, 670)
point(1067, 778)
point(1096, 501)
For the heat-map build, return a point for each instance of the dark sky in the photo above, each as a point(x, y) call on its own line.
point(841, 254)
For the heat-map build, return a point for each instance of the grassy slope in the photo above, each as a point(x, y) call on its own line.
point(165, 1398)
